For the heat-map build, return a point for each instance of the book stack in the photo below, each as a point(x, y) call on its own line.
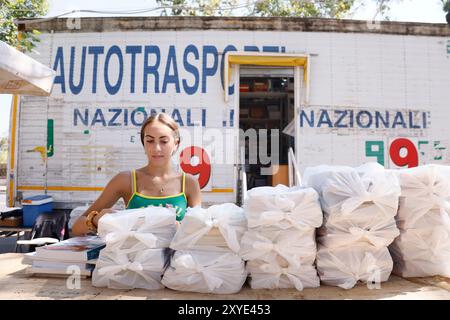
point(280, 245)
point(76, 255)
point(206, 246)
point(136, 254)
point(359, 205)
point(423, 247)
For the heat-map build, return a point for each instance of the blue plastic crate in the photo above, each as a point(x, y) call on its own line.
point(34, 206)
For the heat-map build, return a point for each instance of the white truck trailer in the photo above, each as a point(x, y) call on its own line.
point(343, 91)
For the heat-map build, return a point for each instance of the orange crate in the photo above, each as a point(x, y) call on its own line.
point(260, 86)
point(11, 222)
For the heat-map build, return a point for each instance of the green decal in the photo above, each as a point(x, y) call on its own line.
point(438, 148)
point(86, 132)
point(421, 142)
point(375, 149)
point(50, 147)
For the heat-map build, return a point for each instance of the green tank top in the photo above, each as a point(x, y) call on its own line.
point(177, 201)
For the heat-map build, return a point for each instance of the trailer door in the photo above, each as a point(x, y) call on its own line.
point(294, 68)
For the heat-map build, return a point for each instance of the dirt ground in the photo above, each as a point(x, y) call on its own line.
point(15, 283)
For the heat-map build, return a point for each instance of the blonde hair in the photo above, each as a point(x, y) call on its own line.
point(164, 119)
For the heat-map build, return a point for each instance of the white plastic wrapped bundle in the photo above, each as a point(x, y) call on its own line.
point(422, 252)
point(360, 205)
point(345, 266)
point(423, 248)
point(367, 193)
point(205, 272)
point(345, 233)
point(280, 246)
point(138, 229)
point(273, 276)
point(218, 228)
point(437, 216)
point(426, 181)
point(424, 189)
point(295, 246)
point(283, 207)
point(118, 270)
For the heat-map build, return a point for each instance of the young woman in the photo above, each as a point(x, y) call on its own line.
point(156, 184)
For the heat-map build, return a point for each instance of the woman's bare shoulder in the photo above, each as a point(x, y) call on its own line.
point(192, 191)
point(191, 182)
point(122, 180)
point(123, 176)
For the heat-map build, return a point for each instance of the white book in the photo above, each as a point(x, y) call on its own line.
point(31, 257)
point(57, 271)
point(79, 249)
point(59, 265)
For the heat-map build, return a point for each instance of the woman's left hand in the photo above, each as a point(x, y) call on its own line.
point(101, 214)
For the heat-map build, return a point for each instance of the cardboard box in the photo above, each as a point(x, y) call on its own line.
point(258, 112)
point(11, 222)
point(260, 86)
point(280, 175)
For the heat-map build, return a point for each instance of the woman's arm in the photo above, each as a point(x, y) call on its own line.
point(193, 193)
point(114, 190)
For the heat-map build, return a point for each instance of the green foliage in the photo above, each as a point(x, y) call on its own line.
point(446, 5)
point(197, 7)
point(13, 10)
point(337, 9)
point(303, 8)
point(3, 150)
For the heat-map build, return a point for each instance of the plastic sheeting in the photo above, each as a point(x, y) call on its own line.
point(143, 269)
point(280, 245)
point(423, 247)
point(425, 191)
point(344, 233)
point(205, 272)
point(136, 251)
point(282, 207)
point(138, 229)
point(273, 276)
point(422, 252)
point(345, 266)
point(297, 248)
point(367, 193)
point(218, 228)
point(360, 205)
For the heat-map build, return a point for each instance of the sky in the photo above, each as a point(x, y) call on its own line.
point(429, 11)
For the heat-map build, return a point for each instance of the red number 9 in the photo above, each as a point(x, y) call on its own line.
point(412, 157)
point(203, 168)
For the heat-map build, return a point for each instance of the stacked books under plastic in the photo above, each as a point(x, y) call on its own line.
point(74, 256)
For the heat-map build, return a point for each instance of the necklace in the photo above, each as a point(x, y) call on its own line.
point(161, 188)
